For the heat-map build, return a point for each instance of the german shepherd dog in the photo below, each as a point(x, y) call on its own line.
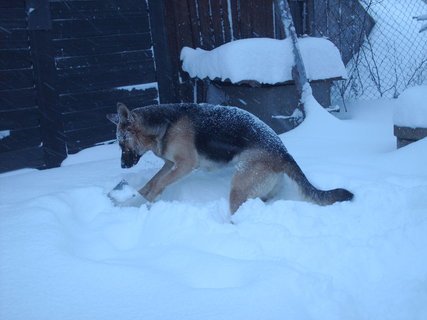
point(191, 136)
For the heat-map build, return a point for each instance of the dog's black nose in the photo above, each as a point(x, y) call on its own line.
point(129, 159)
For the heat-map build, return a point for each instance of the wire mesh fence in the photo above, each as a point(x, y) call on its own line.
point(391, 57)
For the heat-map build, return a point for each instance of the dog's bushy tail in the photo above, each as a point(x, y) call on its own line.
point(320, 197)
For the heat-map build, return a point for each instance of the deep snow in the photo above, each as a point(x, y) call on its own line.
point(67, 253)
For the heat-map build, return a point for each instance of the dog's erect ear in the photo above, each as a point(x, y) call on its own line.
point(113, 117)
point(124, 114)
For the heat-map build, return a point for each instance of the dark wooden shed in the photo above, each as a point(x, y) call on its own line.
point(256, 75)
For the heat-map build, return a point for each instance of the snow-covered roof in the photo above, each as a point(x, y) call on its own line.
point(264, 60)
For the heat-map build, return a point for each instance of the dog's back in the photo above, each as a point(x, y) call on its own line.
point(221, 132)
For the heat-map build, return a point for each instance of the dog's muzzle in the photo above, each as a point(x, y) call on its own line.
point(129, 159)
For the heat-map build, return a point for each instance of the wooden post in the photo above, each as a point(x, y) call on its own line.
point(163, 60)
point(42, 56)
point(298, 72)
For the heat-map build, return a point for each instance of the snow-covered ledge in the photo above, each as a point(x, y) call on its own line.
point(264, 60)
point(410, 116)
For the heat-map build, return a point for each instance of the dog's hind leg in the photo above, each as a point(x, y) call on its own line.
point(257, 176)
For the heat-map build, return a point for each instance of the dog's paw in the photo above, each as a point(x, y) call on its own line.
point(135, 201)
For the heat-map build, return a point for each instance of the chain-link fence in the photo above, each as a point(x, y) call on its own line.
point(392, 56)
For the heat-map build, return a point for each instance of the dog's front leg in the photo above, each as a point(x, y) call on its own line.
point(168, 165)
point(181, 168)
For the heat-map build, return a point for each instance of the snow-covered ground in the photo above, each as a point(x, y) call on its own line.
point(67, 253)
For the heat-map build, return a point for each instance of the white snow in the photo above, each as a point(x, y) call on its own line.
point(265, 60)
point(144, 86)
point(67, 253)
point(126, 193)
point(411, 108)
point(4, 134)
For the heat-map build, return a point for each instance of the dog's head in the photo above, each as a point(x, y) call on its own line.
point(128, 131)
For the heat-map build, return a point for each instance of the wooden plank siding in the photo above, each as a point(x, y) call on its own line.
point(100, 47)
point(64, 69)
point(107, 44)
point(17, 99)
point(19, 111)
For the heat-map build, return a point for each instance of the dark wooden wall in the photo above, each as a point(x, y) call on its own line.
point(102, 49)
point(63, 67)
point(20, 136)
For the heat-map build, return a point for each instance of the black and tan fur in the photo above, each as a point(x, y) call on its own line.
point(193, 136)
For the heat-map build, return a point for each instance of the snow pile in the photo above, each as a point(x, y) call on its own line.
point(268, 61)
point(67, 253)
point(411, 108)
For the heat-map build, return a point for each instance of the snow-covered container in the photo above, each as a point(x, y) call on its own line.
point(410, 116)
point(256, 75)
